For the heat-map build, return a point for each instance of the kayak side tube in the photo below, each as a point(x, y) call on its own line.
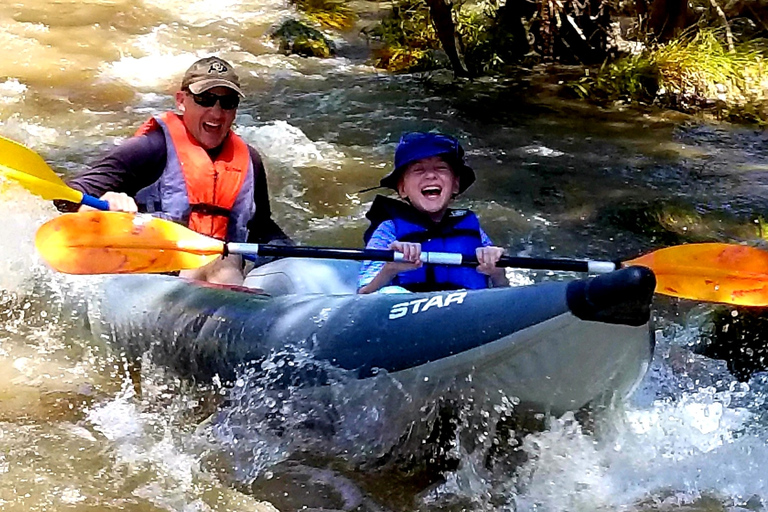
point(558, 345)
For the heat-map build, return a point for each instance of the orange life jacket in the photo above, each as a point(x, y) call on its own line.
point(212, 187)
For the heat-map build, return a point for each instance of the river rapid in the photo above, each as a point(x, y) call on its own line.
point(82, 429)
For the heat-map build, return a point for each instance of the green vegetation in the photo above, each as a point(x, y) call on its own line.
point(407, 38)
point(482, 38)
point(333, 14)
point(691, 73)
point(635, 78)
point(694, 56)
point(409, 42)
point(296, 37)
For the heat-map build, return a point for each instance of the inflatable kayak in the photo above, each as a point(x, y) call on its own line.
point(556, 346)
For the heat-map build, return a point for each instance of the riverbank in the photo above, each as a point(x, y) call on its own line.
point(703, 72)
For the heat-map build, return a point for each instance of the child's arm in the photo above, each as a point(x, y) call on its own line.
point(376, 274)
point(412, 254)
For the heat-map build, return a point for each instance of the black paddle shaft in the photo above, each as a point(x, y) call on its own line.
point(292, 251)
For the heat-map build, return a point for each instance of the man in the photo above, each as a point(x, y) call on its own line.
point(191, 168)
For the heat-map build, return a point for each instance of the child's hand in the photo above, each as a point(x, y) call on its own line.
point(488, 257)
point(411, 253)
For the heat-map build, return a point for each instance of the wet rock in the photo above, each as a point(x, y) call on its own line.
point(664, 221)
point(294, 37)
point(739, 336)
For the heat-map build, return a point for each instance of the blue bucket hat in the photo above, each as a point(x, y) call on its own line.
point(416, 146)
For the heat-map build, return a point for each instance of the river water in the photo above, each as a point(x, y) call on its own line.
point(81, 429)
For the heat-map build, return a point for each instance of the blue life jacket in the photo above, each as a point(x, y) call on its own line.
point(457, 232)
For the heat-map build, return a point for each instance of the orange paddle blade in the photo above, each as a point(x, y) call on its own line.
point(714, 272)
point(120, 243)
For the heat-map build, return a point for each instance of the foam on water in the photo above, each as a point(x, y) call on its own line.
point(32, 134)
point(687, 449)
point(687, 444)
point(142, 74)
point(282, 143)
point(22, 213)
point(676, 446)
point(167, 462)
point(204, 12)
point(12, 91)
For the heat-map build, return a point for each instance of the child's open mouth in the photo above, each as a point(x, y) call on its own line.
point(431, 191)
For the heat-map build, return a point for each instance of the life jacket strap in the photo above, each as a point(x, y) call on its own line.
point(209, 209)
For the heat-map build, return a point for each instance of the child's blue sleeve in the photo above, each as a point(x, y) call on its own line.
point(381, 238)
point(485, 240)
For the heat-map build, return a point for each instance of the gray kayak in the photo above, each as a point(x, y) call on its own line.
point(555, 346)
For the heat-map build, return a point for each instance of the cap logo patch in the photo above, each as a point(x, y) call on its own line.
point(217, 67)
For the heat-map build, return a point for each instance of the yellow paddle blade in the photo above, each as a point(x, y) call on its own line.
point(714, 272)
point(23, 165)
point(97, 242)
point(45, 189)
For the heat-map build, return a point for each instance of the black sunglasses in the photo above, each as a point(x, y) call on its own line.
point(208, 100)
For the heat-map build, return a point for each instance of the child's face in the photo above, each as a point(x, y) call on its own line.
point(429, 184)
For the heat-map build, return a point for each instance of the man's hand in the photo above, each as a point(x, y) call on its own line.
point(118, 202)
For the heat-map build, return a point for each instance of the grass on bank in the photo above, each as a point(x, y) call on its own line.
point(690, 74)
point(410, 43)
point(407, 38)
point(332, 14)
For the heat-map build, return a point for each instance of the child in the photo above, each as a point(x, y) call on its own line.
point(429, 173)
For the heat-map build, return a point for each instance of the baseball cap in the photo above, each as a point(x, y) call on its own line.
point(416, 146)
point(208, 73)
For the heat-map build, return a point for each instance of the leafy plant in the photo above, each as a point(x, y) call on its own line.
point(333, 14)
point(408, 38)
point(633, 78)
point(480, 36)
point(693, 72)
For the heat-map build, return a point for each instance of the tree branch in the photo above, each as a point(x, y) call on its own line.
point(728, 33)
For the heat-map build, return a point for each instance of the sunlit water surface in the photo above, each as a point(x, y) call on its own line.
point(83, 429)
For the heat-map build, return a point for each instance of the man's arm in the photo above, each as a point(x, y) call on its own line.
point(136, 163)
point(261, 228)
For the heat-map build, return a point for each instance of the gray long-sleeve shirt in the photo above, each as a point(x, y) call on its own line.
point(139, 161)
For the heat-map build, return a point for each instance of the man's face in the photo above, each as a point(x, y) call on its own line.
point(208, 125)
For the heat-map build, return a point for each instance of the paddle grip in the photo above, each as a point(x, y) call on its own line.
point(94, 202)
point(562, 264)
